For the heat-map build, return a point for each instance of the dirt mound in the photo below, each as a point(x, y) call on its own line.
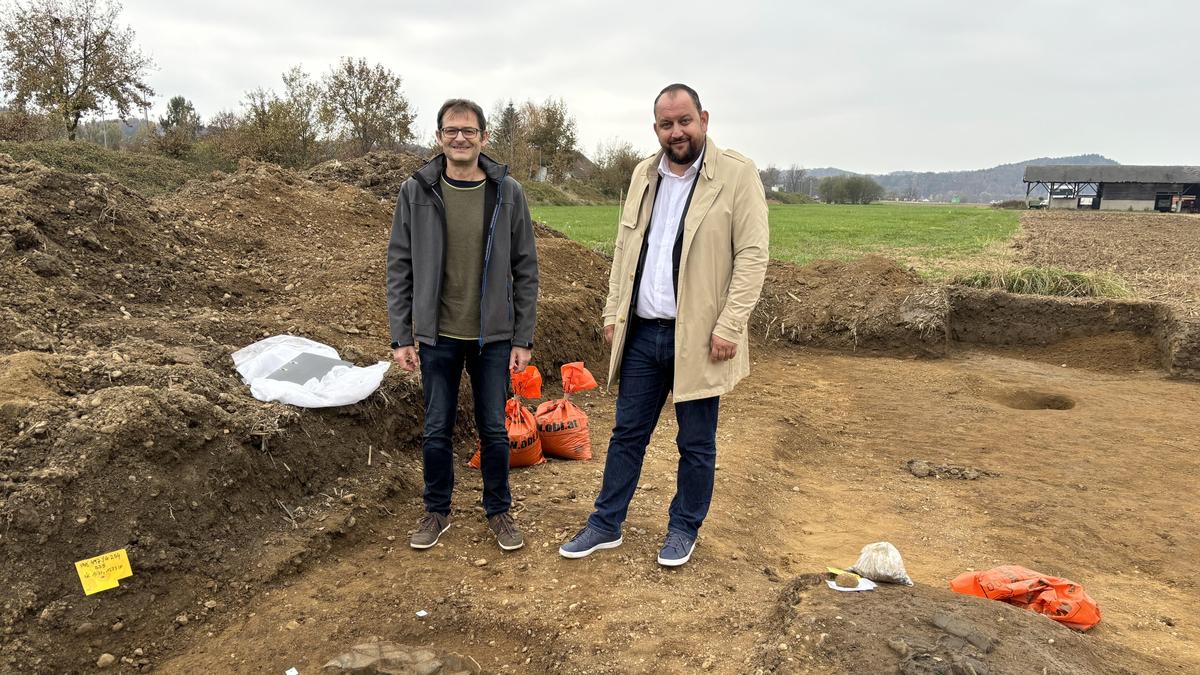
point(146, 173)
point(869, 304)
point(124, 425)
point(920, 629)
point(574, 284)
point(136, 433)
point(379, 172)
point(75, 247)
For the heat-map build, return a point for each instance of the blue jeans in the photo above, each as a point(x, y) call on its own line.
point(647, 375)
point(441, 371)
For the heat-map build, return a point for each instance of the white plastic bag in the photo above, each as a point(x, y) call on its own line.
point(881, 562)
point(340, 386)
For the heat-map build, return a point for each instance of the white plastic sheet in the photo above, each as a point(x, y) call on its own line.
point(340, 386)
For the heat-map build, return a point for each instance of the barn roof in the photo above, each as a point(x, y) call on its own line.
point(1110, 173)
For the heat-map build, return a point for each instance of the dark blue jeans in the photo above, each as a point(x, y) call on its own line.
point(441, 371)
point(647, 374)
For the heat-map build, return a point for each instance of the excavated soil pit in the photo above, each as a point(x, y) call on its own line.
point(1035, 400)
point(264, 537)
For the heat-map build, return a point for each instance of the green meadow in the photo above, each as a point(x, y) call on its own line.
point(801, 233)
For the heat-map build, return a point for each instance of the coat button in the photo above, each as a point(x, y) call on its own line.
point(621, 320)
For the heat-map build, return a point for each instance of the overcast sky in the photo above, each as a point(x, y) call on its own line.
point(864, 86)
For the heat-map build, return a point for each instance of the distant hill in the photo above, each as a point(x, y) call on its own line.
point(827, 171)
point(979, 185)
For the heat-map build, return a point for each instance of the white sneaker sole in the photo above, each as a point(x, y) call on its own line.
point(422, 547)
point(677, 562)
point(583, 554)
point(510, 548)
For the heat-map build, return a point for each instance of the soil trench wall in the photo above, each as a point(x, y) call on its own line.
point(1179, 343)
point(998, 318)
point(992, 317)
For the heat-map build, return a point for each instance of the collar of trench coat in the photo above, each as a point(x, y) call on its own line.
point(722, 266)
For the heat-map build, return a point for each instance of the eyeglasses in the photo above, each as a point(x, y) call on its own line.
point(467, 132)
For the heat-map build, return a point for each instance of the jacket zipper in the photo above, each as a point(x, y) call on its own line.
point(487, 251)
point(441, 206)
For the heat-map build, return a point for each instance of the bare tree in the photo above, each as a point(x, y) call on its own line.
point(770, 176)
point(793, 178)
point(71, 58)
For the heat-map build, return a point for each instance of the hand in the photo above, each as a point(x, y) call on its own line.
point(406, 357)
point(519, 358)
point(608, 333)
point(721, 349)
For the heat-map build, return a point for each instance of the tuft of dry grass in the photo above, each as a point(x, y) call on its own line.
point(1048, 281)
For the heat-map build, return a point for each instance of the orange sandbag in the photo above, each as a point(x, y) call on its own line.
point(1060, 599)
point(527, 383)
point(524, 444)
point(563, 425)
point(576, 378)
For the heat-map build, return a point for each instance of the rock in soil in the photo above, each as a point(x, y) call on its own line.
point(846, 580)
point(923, 469)
point(388, 657)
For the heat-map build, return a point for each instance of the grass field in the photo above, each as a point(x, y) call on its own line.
point(801, 233)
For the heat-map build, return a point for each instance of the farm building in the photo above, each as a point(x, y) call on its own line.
point(1117, 188)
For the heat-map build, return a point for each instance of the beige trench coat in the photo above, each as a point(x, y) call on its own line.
point(721, 269)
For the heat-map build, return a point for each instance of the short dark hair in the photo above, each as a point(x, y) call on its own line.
point(672, 88)
point(462, 105)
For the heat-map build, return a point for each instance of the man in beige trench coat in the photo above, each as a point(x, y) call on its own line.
point(690, 257)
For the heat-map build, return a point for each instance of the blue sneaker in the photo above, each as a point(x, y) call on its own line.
point(588, 540)
point(676, 550)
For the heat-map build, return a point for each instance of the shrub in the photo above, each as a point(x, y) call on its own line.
point(1011, 204)
point(849, 190)
point(790, 197)
point(22, 126)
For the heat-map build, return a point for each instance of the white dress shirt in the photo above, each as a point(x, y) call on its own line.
point(656, 293)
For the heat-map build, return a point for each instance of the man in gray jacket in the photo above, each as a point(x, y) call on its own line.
point(462, 283)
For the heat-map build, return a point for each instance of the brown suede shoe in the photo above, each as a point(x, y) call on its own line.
point(429, 528)
point(505, 529)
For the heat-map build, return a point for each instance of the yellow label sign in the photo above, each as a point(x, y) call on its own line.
point(102, 572)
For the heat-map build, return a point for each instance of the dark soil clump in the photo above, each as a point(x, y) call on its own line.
point(921, 629)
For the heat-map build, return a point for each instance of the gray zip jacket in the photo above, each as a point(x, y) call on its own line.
point(417, 257)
